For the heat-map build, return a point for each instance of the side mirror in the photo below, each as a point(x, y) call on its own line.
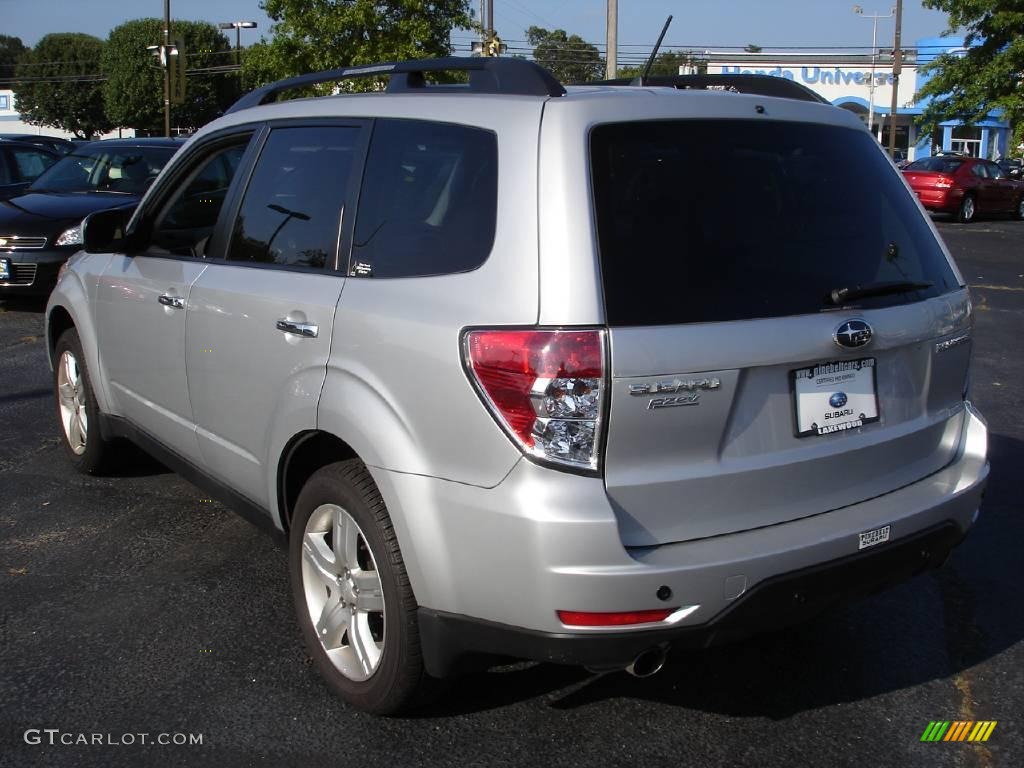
point(105, 231)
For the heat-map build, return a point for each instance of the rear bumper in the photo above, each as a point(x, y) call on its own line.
point(943, 200)
point(453, 642)
point(490, 567)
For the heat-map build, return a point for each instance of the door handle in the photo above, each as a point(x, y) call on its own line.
point(174, 302)
point(309, 330)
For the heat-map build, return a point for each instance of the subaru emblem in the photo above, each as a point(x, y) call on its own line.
point(853, 334)
point(838, 400)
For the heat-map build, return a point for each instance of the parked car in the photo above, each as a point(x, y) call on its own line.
point(42, 226)
point(966, 187)
point(20, 165)
point(52, 143)
point(509, 388)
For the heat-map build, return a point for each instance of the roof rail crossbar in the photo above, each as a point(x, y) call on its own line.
point(761, 85)
point(486, 75)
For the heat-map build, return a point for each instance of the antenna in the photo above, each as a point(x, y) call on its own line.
point(654, 53)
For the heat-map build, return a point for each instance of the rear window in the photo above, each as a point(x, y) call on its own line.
point(708, 221)
point(936, 164)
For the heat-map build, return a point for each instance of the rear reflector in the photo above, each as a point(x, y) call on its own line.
point(545, 387)
point(618, 619)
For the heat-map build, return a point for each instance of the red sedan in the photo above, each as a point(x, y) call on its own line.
point(965, 186)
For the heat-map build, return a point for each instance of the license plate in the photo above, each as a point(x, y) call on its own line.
point(5, 269)
point(871, 538)
point(834, 396)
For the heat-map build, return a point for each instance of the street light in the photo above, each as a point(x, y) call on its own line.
point(874, 54)
point(238, 26)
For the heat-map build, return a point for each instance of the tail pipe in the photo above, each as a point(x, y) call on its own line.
point(649, 662)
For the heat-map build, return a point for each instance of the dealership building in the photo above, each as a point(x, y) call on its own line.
point(845, 80)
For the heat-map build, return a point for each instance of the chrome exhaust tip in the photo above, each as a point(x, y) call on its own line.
point(648, 663)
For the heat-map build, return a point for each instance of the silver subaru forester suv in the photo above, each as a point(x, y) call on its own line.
point(573, 375)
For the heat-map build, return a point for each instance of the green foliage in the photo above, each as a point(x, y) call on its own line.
point(988, 76)
point(11, 49)
point(570, 58)
point(49, 90)
point(314, 35)
point(668, 63)
point(133, 92)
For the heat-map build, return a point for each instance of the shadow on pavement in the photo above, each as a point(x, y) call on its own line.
point(930, 628)
point(24, 304)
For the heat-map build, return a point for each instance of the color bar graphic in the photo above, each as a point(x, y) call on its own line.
point(959, 730)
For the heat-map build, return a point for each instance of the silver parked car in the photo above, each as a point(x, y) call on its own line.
point(567, 375)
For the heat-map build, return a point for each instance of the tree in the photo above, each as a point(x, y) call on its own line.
point(987, 76)
point(569, 57)
point(668, 63)
point(58, 84)
point(752, 48)
point(314, 35)
point(11, 50)
point(133, 92)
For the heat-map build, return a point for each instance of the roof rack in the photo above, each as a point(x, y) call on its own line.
point(761, 85)
point(486, 75)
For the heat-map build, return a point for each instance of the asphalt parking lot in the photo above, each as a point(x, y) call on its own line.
point(135, 605)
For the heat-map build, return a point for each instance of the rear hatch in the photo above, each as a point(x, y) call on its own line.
point(748, 388)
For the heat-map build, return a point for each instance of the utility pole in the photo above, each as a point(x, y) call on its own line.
point(897, 66)
point(874, 59)
point(612, 41)
point(167, 68)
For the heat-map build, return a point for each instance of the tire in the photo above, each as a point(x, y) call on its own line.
point(968, 210)
point(1018, 211)
point(354, 603)
point(78, 414)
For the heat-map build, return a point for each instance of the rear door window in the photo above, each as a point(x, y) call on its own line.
point(291, 213)
point(428, 202)
point(706, 221)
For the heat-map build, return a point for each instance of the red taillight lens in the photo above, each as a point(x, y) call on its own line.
point(545, 387)
point(617, 619)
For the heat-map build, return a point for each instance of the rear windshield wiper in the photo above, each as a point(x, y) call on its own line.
point(839, 296)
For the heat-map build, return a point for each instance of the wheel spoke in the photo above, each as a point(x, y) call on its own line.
point(71, 371)
point(66, 393)
point(76, 435)
point(346, 540)
point(334, 619)
point(370, 596)
point(362, 644)
point(319, 555)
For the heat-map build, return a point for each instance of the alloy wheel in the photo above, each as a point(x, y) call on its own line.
point(343, 592)
point(968, 208)
point(71, 395)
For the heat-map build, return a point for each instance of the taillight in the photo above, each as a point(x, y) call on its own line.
point(546, 388)
point(944, 182)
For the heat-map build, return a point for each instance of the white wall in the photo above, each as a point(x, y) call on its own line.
point(10, 121)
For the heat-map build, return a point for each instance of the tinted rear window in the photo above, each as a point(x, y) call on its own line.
point(936, 164)
point(705, 221)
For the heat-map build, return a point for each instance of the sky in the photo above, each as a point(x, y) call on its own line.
point(696, 23)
